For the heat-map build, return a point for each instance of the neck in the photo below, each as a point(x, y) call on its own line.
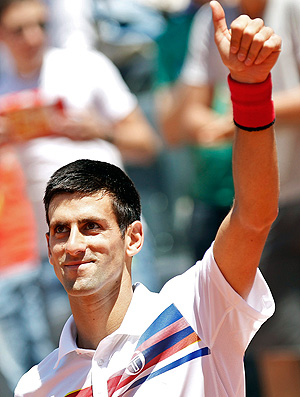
point(28, 69)
point(99, 316)
point(28, 73)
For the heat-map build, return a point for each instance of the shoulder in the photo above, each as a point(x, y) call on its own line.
point(78, 57)
point(32, 380)
point(204, 283)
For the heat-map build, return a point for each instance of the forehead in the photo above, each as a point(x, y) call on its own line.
point(71, 207)
point(19, 13)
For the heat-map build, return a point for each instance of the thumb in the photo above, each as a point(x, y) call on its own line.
point(220, 25)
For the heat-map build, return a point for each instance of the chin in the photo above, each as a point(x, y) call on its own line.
point(81, 290)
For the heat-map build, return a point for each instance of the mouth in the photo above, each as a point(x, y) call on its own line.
point(77, 264)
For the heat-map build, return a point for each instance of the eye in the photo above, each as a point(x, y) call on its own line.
point(17, 31)
point(92, 226)
point(60, 229)
point(43, 25)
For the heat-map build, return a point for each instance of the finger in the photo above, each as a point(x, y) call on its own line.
point(270, 47)
point(237, 29)
point(248, 35)
point(220, 25)
point(257, 44)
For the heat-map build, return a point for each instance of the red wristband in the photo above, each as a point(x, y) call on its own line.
point(253, 107)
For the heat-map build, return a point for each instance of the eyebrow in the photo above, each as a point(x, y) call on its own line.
point(94, 219)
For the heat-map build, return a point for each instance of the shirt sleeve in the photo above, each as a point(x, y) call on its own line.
point(110, 91)
point(196, 67)
point(216, 312)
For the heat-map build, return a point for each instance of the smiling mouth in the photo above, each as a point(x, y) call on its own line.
point(77, 264)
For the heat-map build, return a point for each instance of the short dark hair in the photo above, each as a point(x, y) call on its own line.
point(4, 4)
point(90, 176)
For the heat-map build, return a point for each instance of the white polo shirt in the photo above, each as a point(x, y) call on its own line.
point(188, 340)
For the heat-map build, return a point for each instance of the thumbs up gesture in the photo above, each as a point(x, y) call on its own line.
point(249, 49)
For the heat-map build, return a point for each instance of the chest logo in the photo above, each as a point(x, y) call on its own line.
point(136, 364)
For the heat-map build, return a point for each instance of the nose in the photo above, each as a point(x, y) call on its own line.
point(76, 242)
point(34, 35)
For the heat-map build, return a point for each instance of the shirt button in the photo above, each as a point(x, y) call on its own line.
point(100, 362)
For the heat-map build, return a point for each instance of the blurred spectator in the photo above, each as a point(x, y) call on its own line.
point(194, 121)
point(194, 112)
point(77, 96)
point(59, 105)
point(25, 337)
point(69, 26)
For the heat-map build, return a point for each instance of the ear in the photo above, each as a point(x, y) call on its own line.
point(135, 238)
point(48, 245)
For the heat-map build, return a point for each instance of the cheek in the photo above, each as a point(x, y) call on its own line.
point(102, 244)
point(56, 252)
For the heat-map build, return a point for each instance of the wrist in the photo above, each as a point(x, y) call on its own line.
point(253, 107)
point(247, 78)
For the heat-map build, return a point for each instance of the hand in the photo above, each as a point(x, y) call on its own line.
point(216, 132)
point(249, 49)
point(79, 126)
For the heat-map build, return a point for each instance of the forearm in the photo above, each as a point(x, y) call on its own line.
point(135, 138)
point(185, 124)
point(205, 127)
point(255, 175)
point(242, 235)
point(186, 117)
point(287, 105)
point(254, 156)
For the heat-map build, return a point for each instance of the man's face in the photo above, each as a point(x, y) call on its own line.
point(85, 244)
point(22, 30)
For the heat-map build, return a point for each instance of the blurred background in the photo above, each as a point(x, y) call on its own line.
point(138, 83)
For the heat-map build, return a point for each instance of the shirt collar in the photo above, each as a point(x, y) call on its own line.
point(136, 319)
point(67, 342)
point(134, 323)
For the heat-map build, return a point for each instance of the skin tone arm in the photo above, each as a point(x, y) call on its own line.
point(287, 105)
point(136, 139)
point(241, 237)
point(133, 135)
point(190, 118)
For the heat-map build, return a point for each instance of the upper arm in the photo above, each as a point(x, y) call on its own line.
point(241, 237)
point(237, 251)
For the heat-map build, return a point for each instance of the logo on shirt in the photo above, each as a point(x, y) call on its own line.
point(136, 364)
point(167, 343)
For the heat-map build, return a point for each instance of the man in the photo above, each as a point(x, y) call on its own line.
point(190, 338)
point(203, 118)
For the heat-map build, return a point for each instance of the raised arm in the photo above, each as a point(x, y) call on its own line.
point(249, 50)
